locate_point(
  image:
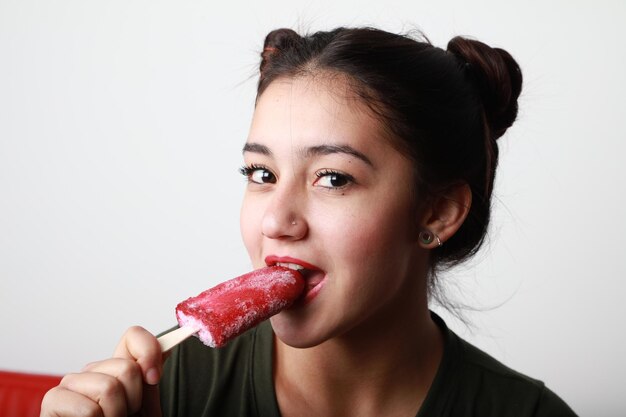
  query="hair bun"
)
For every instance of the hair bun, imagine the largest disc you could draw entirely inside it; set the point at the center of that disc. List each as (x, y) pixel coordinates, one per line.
(498, 78)
(276, 41)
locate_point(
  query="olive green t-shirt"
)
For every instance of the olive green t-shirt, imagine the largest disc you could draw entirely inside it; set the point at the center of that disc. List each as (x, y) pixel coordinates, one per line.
(236, 380)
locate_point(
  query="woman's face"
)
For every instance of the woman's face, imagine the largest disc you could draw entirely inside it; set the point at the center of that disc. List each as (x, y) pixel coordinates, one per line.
(327, 192)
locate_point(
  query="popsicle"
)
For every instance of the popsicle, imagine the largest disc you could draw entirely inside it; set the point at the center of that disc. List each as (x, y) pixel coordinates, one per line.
(223, 312)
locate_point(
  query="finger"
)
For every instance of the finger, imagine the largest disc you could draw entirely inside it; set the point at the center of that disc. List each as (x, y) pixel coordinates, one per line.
(61, 402)
(128, 373)
(103, 389)
(141, 345)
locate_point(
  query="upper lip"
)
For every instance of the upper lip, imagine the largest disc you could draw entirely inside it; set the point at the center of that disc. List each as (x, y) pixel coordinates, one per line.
(271, 260)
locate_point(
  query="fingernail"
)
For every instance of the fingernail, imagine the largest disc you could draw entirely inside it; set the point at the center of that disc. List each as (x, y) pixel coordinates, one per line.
(152, 376)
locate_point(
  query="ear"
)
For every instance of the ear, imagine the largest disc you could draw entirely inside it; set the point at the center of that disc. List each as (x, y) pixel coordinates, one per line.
(447, 212)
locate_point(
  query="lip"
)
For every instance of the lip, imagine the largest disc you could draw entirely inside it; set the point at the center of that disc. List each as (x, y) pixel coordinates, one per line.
(273, 260)
(311, 291)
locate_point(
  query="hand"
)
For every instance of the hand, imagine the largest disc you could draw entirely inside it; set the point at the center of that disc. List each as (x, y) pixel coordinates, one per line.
(117, 387)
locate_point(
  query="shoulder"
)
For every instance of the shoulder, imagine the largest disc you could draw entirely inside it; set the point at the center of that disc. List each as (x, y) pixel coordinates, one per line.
(478, 384)
(501, 386)
(226, 381)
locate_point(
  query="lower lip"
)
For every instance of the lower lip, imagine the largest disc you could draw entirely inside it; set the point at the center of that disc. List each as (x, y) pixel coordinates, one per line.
(312, 293)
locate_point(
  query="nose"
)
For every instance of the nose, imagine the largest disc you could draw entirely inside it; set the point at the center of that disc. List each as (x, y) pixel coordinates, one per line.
(284, 216)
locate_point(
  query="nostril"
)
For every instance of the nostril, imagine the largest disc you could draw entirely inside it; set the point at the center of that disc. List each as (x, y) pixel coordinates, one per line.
(283, 228)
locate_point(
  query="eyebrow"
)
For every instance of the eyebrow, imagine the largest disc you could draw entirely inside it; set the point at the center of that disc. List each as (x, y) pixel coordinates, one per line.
(256, 148)
(331, 149)
(312, 151)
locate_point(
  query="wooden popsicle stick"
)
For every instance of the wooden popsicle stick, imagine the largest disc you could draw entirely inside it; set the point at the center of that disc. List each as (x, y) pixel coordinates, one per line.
(171, 339)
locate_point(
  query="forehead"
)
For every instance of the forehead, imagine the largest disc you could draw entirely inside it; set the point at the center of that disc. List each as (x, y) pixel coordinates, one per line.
(314, 108)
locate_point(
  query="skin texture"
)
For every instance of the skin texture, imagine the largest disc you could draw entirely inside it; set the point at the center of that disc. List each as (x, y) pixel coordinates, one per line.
(372, 348)
(119, 386)
(325, 188)
(356, 234)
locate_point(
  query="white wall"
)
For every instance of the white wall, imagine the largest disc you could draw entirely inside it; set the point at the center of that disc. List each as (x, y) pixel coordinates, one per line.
(121, 124)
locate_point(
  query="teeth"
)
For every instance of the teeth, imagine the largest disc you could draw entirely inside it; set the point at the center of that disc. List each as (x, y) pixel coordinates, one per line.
(290, 265)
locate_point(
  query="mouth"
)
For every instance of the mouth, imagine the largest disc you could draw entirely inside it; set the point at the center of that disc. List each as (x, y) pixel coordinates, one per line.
(290, 265)
(314, 277)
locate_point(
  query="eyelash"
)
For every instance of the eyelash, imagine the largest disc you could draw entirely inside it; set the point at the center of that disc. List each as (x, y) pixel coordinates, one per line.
(326, 172)
(248, 170)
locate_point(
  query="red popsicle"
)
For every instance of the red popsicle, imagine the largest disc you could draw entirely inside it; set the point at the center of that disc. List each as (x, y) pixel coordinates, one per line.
(225, 311)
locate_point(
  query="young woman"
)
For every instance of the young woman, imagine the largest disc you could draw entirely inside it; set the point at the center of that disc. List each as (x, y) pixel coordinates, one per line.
(370, 162)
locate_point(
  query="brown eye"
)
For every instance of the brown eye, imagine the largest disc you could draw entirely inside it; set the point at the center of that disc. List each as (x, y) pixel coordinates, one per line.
(258, 174)
(333, 179)
(262, 176)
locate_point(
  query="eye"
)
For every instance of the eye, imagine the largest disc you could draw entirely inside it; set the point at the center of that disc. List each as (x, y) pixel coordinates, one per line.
(333, 179)
(258, 174)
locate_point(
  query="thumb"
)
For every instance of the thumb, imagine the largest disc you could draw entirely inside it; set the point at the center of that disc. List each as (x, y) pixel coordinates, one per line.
(142, 346)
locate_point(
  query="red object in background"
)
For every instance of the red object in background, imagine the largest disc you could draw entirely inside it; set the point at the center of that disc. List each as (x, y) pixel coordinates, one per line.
(21, 393)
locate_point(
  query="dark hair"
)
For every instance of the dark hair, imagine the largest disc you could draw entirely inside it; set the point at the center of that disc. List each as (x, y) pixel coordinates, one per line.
(445, 108)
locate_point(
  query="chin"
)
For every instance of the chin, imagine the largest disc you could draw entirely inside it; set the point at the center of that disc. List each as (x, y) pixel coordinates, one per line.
(298, 337)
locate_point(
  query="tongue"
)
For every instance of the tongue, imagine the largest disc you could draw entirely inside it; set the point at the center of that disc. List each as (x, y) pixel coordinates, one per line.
(311, 278)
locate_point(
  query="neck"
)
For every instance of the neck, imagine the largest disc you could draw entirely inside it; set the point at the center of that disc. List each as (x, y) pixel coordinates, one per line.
(384, 365)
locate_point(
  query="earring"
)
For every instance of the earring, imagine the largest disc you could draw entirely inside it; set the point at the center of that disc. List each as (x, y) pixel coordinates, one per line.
(427, 237)
(293, 223)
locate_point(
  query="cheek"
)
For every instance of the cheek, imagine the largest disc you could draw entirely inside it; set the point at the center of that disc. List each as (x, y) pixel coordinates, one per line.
(368, 232)
(372, 256)
(369, 241)
(249, 225)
